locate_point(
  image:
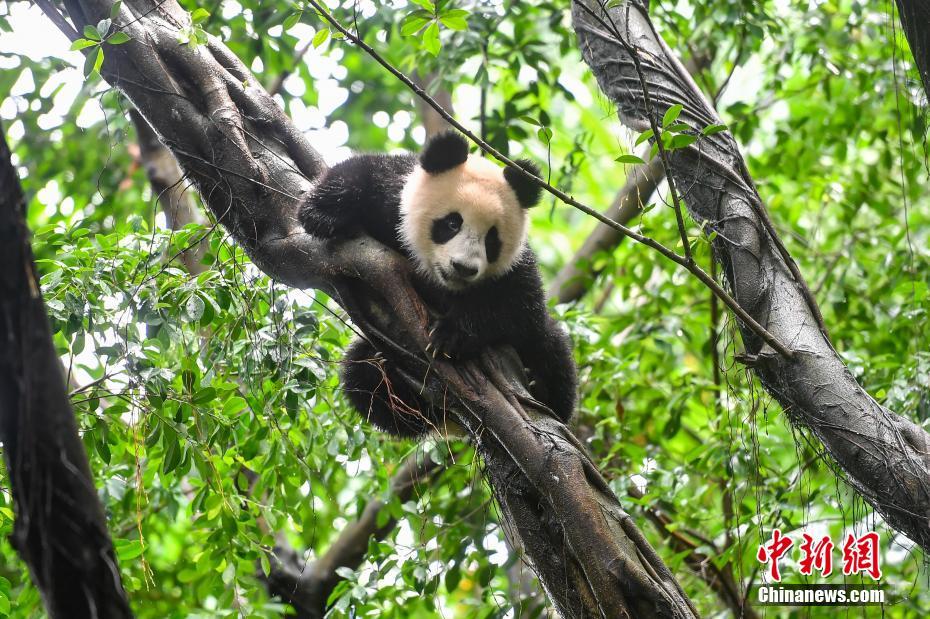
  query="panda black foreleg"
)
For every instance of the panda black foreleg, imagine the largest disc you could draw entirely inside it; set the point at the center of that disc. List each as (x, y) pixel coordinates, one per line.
(382, 396)
(552, 371)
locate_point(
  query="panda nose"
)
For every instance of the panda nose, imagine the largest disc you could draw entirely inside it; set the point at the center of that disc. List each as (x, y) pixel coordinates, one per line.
(464, 270)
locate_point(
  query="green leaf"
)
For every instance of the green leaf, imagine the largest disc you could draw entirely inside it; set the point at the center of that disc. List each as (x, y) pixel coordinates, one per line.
(291, 20)
(426, 4)
(118, 38)
(205, 396)
(83, 43)
(629, 159)
(456, 19)
(431, 39)
(544, 134)
(91, 33)
(99, 61)
(93, 61)
(682, 140)
(712, 129)
(114, 10)
(671, 114)
(413, 23)
(127, 549)
(531, 120)
(233, 406)
(320, 37)
(200, 15)
(103, 26)
(645, 135)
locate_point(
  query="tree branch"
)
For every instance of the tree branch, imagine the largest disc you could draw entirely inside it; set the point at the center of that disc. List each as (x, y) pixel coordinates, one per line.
(886, 457)
(59, 530)
(571, 282)
(642, 180)
(915, 18)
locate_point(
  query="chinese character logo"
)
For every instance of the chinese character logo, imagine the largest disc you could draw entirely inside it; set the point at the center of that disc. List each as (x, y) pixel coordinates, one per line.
(773, 551)
(817, 556)
(860, 555)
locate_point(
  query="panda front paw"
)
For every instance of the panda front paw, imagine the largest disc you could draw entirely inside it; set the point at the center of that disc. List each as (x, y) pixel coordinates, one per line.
(448, 339)
(318, 222)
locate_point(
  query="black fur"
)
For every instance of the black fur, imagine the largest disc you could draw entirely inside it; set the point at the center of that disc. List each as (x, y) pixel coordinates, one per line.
(445, 228)
(492, 245)
(362, 195)
(527, 191)
(444, 152)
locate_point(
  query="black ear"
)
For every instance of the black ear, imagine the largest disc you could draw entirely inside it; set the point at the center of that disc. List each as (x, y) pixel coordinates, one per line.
(444, 152)
(527, 191)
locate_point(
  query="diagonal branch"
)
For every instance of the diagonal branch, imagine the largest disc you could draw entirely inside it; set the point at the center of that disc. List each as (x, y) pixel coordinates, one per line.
(915, 19)
(569, 284)
(572, 280)
(886, 457)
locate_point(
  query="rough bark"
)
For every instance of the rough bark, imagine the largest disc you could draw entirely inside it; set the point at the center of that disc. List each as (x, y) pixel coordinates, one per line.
(59, 528)
(173, 193)
(251, 167)
(915, 18)
(886, 457)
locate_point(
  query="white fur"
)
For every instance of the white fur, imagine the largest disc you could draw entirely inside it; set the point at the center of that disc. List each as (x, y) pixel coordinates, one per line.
(478, 191)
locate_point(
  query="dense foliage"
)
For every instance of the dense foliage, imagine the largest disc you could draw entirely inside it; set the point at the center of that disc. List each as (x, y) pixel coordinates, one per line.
(184, 382)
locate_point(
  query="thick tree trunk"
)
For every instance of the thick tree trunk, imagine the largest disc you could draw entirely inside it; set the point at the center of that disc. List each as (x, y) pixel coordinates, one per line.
(59, 528)
(251, 166)
(915, 18)
(886, 458)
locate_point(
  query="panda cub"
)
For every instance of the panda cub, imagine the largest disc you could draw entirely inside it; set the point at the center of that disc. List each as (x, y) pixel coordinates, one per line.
(461, 220)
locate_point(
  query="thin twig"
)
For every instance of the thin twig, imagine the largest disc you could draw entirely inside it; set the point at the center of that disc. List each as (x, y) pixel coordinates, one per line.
(52, 12)
(653, 124)
(275, 86)
(689, 265)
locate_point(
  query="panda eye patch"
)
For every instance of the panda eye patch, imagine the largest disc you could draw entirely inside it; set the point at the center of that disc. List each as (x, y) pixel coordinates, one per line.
(445, 228)
(492, 244)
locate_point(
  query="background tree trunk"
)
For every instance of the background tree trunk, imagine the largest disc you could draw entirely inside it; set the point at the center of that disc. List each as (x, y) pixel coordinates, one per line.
(915, 18)
(59, 529)
(886, 458)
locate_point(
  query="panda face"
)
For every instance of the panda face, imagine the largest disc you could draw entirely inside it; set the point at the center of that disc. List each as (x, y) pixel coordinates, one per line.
(463, 225)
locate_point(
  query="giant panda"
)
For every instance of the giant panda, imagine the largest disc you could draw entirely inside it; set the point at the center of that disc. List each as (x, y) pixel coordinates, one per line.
(461, 220)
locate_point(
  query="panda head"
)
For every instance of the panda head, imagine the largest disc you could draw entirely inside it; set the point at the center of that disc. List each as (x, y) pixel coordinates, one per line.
(462, 218)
